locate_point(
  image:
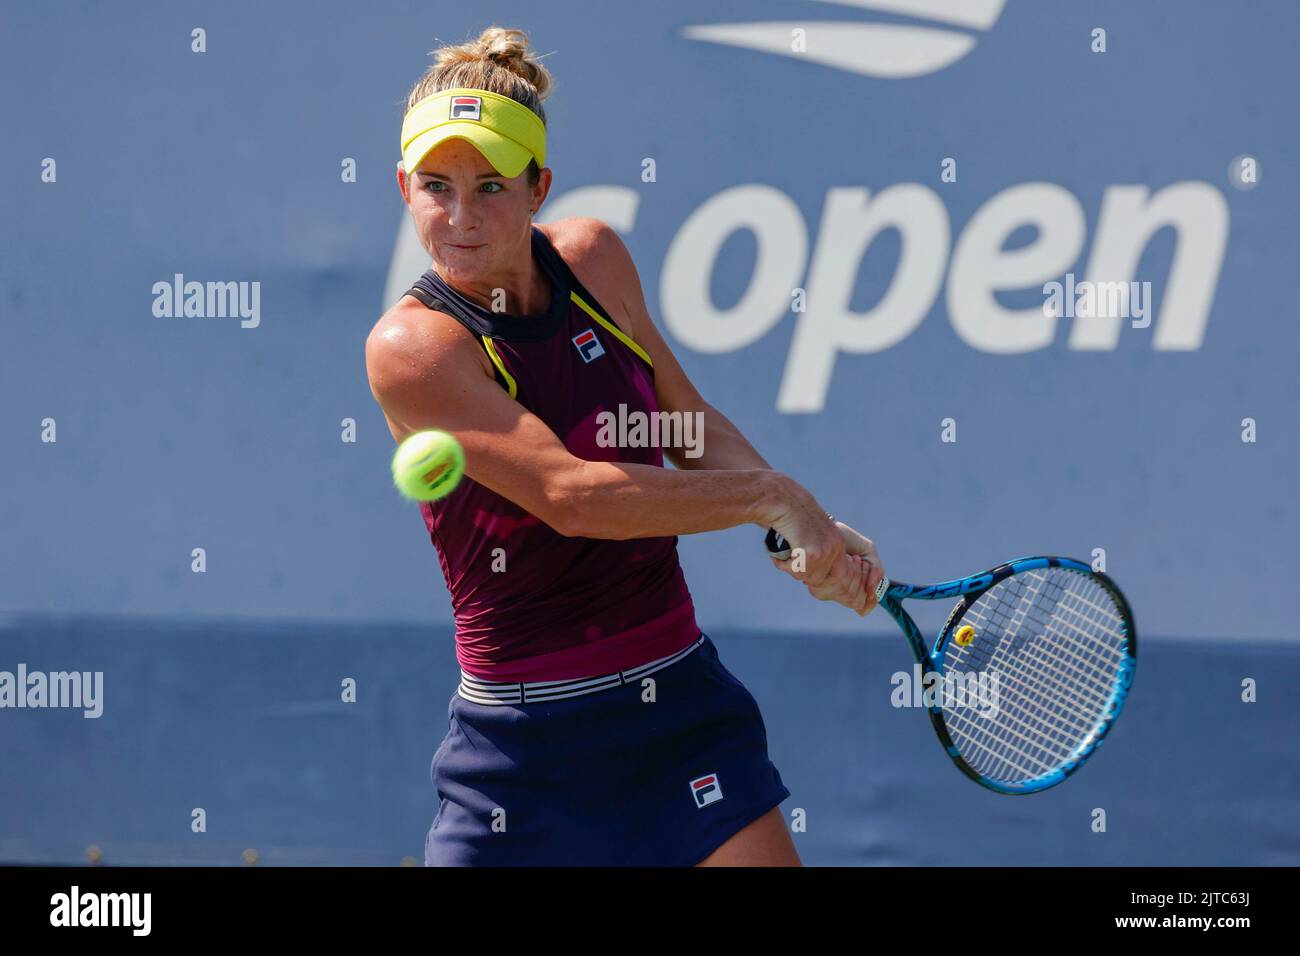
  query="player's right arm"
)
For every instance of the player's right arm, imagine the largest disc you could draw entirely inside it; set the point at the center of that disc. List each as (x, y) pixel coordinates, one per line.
(426, 371)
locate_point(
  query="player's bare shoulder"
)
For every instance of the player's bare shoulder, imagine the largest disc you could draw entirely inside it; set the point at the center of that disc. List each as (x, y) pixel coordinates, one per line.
(597, 256)
(412, 334)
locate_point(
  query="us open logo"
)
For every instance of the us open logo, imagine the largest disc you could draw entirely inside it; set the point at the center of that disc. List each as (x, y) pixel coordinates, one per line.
(588, 345)
(706, 790)
(467, 108)
(949, 30)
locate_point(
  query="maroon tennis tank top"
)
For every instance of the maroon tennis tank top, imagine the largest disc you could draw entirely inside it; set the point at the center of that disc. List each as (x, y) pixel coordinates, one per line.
(531, 604)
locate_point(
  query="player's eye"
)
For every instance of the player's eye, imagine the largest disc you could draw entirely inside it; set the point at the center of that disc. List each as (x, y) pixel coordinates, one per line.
(438, 182)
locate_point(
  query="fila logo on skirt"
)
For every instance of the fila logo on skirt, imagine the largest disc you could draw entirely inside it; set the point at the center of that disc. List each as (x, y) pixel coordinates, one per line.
(706, 790)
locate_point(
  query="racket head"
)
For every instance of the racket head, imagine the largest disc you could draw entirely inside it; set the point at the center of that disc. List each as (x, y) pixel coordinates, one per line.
(1056, 643)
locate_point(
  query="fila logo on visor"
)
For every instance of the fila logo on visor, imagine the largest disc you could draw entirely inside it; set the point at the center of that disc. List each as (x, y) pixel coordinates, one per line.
(467, 108)
(588, 346)
(706, 790)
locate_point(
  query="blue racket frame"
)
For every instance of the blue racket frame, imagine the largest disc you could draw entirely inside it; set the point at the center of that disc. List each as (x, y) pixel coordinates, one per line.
(891, 594)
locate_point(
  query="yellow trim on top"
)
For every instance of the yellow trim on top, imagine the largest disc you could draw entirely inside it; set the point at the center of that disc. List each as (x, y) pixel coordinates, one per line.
(501, 366)
(614, 329)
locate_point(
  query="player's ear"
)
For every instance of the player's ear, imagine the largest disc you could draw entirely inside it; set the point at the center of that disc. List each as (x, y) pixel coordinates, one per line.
(401, 180)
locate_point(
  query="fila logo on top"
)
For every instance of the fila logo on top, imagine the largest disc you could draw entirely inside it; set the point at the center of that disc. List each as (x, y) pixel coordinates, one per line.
(588, 345)
(467, 108)
(889, 51)
(706, 790)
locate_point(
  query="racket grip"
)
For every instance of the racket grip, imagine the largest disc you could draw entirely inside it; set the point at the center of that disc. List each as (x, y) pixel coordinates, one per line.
(777, 546)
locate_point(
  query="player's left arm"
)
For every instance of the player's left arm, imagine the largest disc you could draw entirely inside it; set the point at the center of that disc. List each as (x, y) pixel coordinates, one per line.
(720, 445)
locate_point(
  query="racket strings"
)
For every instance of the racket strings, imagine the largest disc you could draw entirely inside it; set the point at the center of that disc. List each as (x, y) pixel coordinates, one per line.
(1028, 676)
(1023, 738)
(1081, 693)
(1031, 674)
(1054, 640)
(1018, 726)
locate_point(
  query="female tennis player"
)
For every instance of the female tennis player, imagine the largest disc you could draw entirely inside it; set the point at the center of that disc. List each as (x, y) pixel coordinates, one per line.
(594, 723)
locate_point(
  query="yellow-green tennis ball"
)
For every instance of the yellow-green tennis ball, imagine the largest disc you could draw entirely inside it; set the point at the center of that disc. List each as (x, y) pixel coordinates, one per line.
(427, 465)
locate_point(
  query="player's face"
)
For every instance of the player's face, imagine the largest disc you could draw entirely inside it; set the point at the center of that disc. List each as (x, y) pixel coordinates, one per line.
(470, 218)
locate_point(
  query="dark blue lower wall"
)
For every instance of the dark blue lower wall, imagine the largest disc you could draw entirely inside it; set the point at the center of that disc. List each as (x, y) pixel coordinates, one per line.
(246, 722)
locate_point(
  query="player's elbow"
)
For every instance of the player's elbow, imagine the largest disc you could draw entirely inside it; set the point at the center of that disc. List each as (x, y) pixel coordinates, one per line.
(571, 504)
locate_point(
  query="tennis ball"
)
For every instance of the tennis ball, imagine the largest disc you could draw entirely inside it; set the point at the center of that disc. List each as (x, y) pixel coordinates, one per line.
(427, 465)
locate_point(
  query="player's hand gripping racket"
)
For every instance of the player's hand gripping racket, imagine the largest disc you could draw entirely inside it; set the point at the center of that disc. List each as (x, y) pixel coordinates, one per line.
(1054, 637)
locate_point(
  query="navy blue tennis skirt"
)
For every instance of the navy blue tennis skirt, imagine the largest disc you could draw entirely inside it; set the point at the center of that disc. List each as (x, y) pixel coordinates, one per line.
(619, 777)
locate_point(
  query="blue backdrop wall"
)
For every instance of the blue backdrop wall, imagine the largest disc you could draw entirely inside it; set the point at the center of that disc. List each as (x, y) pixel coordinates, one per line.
(919, 169)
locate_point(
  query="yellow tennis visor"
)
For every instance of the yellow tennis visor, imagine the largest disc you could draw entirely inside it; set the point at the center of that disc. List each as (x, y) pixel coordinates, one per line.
(506, 132)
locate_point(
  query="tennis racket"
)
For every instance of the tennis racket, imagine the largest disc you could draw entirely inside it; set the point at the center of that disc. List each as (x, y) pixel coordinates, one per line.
(1057, 641)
